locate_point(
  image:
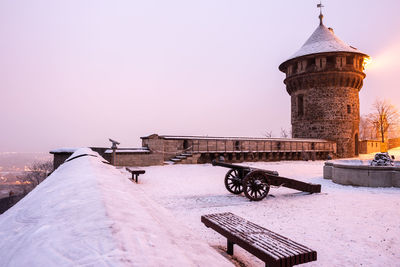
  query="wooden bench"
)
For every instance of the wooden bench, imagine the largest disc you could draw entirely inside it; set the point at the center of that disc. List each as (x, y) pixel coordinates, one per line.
(135, 173)
(272, 248)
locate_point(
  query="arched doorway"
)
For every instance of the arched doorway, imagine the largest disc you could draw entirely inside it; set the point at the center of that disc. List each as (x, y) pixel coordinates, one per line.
(356, 152)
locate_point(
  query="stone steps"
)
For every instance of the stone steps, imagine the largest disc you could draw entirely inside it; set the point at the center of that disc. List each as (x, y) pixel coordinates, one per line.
(178, 158)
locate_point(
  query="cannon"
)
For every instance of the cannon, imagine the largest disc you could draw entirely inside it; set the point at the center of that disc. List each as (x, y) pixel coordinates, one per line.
(255, 183)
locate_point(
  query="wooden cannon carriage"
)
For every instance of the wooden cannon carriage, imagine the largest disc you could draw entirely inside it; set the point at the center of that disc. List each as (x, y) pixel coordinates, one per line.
(255, 183)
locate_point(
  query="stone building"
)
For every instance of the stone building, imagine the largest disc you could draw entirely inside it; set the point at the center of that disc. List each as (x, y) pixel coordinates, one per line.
(370, 146)
(323, 79)
(169, 149)
(203, 149)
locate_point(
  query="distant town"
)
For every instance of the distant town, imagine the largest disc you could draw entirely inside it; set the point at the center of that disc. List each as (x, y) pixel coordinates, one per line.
(14, 166)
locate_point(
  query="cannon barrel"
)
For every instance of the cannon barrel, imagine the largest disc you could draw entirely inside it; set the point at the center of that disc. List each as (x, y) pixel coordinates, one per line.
(230, 166)
(240, 167)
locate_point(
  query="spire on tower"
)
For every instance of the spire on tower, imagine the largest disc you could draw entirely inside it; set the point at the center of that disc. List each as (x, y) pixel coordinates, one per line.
(320, 6)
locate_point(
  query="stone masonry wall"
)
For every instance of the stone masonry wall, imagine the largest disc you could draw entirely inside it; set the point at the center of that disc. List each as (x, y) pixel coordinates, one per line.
(329, 113)
(325, 98)
(139, 159)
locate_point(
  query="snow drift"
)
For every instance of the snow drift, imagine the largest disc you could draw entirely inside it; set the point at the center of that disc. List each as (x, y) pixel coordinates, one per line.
(88, 213)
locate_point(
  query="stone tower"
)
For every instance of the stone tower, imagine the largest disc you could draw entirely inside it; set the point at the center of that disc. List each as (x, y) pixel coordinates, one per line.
(323, 79)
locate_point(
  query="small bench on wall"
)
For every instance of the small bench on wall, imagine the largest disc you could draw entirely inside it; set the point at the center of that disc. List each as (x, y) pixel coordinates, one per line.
(135, 173)
(270, 247)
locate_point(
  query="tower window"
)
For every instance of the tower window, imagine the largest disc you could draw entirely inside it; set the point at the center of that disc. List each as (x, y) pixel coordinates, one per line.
(340, 61)
(348, 109)
(300, 105)
(320, 62)
(301, 65)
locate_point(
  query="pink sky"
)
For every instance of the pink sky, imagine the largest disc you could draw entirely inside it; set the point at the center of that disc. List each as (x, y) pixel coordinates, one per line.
(74, 73)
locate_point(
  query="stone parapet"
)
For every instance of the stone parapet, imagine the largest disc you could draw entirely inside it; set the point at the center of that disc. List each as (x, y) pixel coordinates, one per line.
(352, 173)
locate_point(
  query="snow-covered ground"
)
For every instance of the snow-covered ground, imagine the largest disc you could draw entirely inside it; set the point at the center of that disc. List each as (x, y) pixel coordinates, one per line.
(88, 213)
(346, 225)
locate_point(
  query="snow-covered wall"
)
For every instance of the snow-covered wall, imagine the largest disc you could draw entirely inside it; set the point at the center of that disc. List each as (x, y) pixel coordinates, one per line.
(88, 213)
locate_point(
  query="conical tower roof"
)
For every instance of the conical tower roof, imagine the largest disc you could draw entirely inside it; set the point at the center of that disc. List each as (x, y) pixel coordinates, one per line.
(323, 40)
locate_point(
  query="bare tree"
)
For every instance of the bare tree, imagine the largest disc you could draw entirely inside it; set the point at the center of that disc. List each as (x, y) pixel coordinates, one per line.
(268, 134)
(367, 130)
(38, 171)
(384, 117)
(394, 131)
(285, 133)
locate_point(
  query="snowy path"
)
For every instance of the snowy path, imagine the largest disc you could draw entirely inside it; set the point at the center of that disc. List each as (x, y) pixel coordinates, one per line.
(88, 214)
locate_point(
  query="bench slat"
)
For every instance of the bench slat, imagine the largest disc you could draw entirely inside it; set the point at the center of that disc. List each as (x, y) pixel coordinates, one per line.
(279, 250)
(271, 237)
(268, 246)
(251, 228)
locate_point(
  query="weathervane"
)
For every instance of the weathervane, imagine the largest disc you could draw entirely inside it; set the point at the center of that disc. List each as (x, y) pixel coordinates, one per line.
(320, 6)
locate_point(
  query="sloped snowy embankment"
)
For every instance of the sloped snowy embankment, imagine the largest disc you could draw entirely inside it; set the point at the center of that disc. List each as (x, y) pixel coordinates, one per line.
(87, 213)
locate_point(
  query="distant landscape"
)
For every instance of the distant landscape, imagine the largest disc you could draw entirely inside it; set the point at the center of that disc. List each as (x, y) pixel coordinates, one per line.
(13, 166)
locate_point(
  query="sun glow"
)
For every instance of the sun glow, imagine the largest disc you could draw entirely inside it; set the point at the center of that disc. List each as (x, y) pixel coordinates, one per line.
(387, 59)
(367, 61)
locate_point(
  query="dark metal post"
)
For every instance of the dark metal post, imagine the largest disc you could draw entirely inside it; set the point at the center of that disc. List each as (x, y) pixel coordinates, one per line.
(229, 248)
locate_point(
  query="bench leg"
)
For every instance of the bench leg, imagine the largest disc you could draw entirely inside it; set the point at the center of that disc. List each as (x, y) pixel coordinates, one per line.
(229, 248)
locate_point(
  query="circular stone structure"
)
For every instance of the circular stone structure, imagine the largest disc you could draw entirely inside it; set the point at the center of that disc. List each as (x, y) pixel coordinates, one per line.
(360, 173)
(323, 80)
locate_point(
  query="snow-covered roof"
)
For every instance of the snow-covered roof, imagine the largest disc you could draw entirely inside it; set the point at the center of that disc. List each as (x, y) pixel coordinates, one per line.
(129, 150)
(64, 150)
(323, 40)
(84, 151)
(232, 138)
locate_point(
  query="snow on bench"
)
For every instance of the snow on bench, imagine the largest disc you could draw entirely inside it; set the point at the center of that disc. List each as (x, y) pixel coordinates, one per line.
(270, 247)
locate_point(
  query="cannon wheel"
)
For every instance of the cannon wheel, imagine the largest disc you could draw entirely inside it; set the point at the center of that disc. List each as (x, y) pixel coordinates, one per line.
(233, 182)
(256, 185)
